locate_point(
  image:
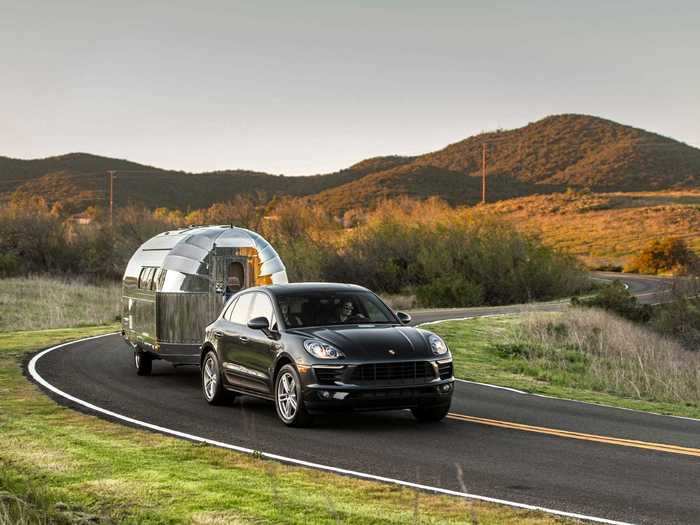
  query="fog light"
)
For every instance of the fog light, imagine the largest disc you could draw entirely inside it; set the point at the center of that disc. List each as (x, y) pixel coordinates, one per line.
(446, 387)
(324, 394)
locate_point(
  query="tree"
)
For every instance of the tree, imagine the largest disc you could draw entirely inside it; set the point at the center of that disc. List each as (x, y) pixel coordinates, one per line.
(666, 255)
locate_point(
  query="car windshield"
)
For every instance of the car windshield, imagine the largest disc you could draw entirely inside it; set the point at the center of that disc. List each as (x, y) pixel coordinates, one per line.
(301, 310)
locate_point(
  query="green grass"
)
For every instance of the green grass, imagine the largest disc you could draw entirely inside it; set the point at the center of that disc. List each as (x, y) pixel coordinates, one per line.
(480, 355)
(42, 302)
(65, 466)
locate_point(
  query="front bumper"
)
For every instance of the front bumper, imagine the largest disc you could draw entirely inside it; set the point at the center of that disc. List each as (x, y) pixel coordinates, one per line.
(322, 395)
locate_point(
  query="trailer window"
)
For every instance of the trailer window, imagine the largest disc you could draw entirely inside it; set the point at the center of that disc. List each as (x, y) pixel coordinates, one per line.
(174, 281)
(146, 277)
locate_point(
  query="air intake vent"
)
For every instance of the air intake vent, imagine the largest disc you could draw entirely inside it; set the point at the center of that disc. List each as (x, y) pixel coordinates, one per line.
(445, 370)
(393, 373)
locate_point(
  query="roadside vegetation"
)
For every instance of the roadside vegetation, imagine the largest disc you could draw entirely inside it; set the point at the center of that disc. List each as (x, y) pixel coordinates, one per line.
(605, 349)
(606, 230)
(441, 255)
(58, 465)
(667, 255)
(41, 302)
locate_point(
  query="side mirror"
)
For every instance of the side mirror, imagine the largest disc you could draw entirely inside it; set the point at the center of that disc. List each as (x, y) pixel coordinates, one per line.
(403, 317)
(259, 323)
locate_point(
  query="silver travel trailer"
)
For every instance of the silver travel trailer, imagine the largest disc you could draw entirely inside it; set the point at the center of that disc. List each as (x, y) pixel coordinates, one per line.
(177, 282)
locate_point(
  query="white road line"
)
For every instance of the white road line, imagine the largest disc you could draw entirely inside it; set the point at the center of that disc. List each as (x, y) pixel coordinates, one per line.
(497, 387)
(363, 475)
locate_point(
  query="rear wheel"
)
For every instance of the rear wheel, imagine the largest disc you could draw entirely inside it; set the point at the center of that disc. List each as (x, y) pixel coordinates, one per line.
(143, 363)
(431, 414)
(212, 386)
(289, 402)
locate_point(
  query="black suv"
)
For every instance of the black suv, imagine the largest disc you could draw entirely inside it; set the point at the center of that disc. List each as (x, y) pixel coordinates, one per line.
(322, 347)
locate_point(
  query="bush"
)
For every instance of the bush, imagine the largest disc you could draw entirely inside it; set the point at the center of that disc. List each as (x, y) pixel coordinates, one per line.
(449, 291)
(666, 255)
(9, 265)
(616, 298)
(680, 317)
(454, 260)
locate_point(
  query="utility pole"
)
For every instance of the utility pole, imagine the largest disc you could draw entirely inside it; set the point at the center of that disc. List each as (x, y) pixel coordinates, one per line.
(111, 174)
(483, 173)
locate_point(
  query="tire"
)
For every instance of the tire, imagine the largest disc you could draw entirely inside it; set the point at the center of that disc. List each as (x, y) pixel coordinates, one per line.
(289, 402)
(212, 385)
(143, 363)
(430, 414)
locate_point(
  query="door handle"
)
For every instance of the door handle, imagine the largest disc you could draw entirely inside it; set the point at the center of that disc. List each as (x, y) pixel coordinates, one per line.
(218, 334)
(243, 339)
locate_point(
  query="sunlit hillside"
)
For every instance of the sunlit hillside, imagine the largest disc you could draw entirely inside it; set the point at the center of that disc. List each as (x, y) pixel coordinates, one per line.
(606, 228)
(547, 156)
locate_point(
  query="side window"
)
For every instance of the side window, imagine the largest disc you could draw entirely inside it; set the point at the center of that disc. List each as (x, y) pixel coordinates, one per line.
(146, 277)
(262, 307)
(155, 278)
(229, 310)
(240, 311)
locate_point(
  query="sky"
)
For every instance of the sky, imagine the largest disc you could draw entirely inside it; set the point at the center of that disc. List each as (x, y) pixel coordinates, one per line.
(313, 87)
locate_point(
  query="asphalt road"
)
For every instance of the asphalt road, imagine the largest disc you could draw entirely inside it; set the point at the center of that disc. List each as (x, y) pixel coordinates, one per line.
(498, 443)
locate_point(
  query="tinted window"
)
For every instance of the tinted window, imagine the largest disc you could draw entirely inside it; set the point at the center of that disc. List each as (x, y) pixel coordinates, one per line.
(229, 310)
(262, 307)
(333, 308)
(240, 311)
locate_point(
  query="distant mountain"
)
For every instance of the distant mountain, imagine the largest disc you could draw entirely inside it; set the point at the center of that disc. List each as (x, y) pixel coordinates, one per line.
(543, 157)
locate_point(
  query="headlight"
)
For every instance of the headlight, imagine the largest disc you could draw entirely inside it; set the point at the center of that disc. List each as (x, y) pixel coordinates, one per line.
(437, 345)
(322, 350)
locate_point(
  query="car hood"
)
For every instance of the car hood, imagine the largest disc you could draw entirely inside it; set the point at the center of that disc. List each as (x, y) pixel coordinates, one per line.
(373, 343)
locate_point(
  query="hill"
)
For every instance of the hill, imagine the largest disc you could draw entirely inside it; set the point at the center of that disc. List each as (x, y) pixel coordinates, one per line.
(605, 228)
(546, 156)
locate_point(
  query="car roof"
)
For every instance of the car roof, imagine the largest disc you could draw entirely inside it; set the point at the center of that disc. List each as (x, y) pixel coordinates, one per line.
(293, 288)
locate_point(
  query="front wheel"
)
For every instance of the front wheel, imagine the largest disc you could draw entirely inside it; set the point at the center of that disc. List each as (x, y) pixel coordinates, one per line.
(289, 402)
(143, 363)
(431, 414)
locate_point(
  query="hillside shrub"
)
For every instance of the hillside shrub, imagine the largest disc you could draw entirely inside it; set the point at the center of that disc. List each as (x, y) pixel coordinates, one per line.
(9, 265)
(447, 291)
(665, 255)
(614, 297)
(680, 317)
(446, 257)
(458, 261)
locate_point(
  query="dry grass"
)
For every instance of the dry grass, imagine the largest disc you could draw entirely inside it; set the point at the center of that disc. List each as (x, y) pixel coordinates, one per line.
(37, 303)
(606, 228)
(594, 349)
(15, 511)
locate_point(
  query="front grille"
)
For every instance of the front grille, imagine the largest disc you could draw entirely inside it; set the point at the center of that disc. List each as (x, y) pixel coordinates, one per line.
(445, 370)
(328, 376)
(402, 372)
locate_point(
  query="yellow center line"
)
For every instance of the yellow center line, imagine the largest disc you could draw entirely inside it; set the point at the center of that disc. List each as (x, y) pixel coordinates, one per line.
(661, 447)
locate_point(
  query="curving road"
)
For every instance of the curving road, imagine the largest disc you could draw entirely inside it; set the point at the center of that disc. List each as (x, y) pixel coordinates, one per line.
(604, 463)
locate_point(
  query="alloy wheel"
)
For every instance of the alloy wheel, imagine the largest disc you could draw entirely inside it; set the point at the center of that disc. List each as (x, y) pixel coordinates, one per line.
(287, 396)
(210, 378)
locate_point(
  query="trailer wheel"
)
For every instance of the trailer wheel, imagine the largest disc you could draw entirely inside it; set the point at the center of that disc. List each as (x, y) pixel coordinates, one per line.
(143, 363)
